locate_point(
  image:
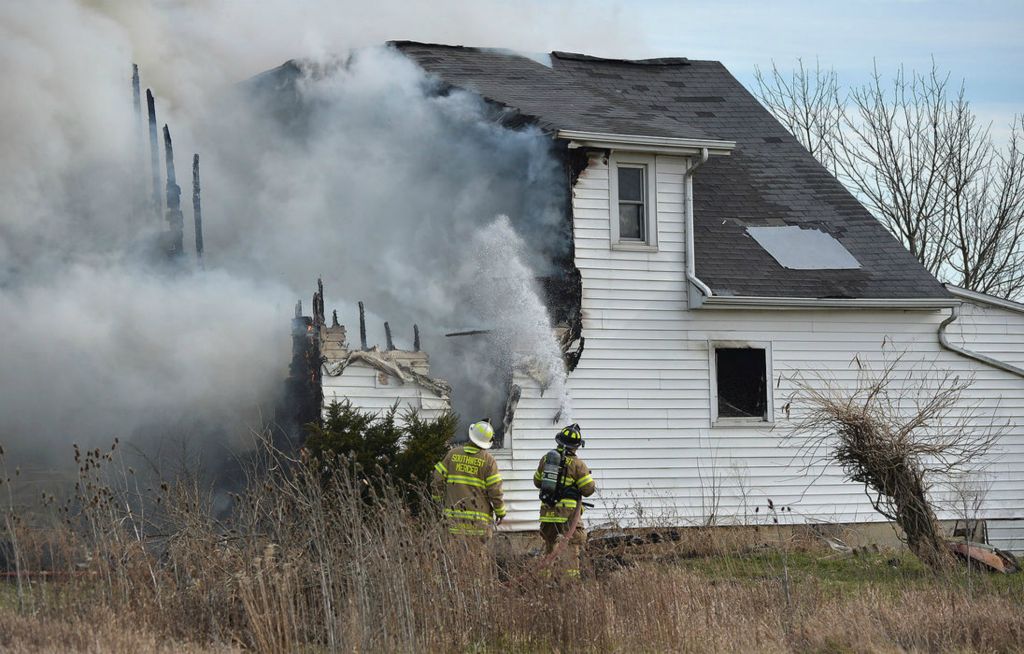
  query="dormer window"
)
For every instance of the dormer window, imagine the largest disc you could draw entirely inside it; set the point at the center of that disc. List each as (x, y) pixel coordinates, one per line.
(632, 203)
(633, 217)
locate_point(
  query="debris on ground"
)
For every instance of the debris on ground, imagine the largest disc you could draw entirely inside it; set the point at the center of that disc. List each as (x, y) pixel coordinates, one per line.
(985, 556)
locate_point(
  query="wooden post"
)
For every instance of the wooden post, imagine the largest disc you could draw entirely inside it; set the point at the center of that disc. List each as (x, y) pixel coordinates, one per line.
(154, 153)
(175, 221)
(362, 326)
(197, 210)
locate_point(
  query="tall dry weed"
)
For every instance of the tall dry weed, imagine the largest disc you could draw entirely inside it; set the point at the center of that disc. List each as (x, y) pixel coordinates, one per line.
(315, 558)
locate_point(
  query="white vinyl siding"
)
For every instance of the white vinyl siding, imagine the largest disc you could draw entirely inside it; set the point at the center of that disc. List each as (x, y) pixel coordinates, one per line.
(642, 390)
(1007, 535)
(374, 391)
(990, 330)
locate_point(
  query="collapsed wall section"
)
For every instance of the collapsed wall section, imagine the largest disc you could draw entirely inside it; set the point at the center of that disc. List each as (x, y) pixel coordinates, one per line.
(326, 369)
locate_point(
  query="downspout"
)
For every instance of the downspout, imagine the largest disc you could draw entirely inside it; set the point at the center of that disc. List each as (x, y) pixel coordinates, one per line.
(691, 265)
(987, 360)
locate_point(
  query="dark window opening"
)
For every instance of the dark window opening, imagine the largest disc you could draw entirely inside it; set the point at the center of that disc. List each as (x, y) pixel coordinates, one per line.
(742, 382)
(632, 204)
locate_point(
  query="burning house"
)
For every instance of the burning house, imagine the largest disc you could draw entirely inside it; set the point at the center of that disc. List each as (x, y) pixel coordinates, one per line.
(326, 368)
(714, 264)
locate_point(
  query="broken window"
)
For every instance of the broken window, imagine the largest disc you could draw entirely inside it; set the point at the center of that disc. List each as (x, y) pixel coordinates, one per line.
(632, 194)
(741, 382)
(632, 219)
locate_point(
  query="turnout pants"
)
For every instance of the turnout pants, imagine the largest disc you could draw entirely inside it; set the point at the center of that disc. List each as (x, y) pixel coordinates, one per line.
(571, 558)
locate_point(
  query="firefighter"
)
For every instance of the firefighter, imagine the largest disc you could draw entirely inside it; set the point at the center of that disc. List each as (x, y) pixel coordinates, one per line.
(468, 485)
(558, 504)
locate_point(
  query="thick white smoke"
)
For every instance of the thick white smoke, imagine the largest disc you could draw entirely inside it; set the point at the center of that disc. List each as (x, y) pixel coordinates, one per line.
(522, 324)
(378, 185)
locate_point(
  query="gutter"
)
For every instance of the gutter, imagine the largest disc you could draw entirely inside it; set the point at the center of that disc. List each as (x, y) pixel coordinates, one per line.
(639, 143)
(693, 299)
(984, 298)
(987, 360)
(752, 302)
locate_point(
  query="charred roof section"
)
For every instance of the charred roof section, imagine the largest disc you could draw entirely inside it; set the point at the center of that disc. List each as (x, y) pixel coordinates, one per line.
(769, 179)
(559, 97)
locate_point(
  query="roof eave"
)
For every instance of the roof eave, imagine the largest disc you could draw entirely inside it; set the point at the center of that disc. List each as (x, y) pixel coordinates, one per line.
(750, 302)
(641, 143)
(985, 298)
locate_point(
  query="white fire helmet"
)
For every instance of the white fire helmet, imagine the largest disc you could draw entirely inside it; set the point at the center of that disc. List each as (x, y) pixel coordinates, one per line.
(482, 434)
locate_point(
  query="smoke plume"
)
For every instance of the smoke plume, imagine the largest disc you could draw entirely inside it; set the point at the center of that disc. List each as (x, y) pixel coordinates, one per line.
(361, 173)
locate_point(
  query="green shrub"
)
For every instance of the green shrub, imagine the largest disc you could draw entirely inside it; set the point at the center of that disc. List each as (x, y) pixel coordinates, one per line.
(383, 446)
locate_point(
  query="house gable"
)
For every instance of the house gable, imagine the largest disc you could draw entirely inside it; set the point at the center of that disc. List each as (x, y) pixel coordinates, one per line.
(769, 179)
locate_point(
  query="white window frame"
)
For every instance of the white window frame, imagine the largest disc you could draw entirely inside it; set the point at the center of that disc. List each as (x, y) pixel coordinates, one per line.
(634, 160)
(769, 389)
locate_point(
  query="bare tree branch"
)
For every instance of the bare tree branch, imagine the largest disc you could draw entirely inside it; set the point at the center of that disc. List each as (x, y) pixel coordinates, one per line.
(898, 437)
(914, 153)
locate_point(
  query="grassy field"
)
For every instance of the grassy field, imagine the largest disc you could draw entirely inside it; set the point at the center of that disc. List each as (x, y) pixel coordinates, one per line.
(315, 558)
(664, 598)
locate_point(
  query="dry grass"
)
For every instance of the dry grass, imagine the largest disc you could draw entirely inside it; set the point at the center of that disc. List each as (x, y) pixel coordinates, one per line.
(315, 560)
(97, 633)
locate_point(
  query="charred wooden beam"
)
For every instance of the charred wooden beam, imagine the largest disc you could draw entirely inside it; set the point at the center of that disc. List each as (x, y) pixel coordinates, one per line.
(515, 393)
(470, 332)
(197, 210)
(136, 94)
(138, 139)
(415, 338)
(303, 396)
(175, 219)
(387, 336)
(334, 319)
(318, 304)
(362, 326)
(154, 152)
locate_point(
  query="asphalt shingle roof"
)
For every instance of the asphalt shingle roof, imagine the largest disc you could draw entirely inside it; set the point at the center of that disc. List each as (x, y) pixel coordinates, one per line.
(769, 179)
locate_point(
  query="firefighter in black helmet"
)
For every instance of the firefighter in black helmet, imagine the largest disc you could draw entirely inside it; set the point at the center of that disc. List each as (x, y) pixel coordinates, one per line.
(564, 479)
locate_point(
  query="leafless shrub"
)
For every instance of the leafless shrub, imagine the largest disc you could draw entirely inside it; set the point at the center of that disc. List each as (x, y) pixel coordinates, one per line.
(897, 437)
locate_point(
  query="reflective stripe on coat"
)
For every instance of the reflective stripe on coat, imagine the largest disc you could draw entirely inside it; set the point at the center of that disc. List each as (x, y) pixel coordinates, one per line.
(577, 475)
(467, 483)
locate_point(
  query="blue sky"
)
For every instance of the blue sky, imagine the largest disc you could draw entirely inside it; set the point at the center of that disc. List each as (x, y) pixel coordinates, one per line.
(981, 42)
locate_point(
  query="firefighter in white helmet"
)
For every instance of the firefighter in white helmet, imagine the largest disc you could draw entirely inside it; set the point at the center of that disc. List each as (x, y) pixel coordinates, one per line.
(467, 483)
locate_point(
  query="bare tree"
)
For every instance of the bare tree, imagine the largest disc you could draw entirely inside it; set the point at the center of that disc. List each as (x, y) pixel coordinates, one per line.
(897, 437)
(986, 203)
(913, 151)
(808, 103)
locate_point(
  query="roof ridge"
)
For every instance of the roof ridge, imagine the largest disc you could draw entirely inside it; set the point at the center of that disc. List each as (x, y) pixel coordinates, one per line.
(658, 61)
(557, 54)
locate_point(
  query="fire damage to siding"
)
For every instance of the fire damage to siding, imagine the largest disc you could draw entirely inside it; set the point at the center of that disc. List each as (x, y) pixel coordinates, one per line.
(326, 369)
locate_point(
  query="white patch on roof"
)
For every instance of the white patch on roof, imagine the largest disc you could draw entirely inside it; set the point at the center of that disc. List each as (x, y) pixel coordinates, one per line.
(803, 249)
